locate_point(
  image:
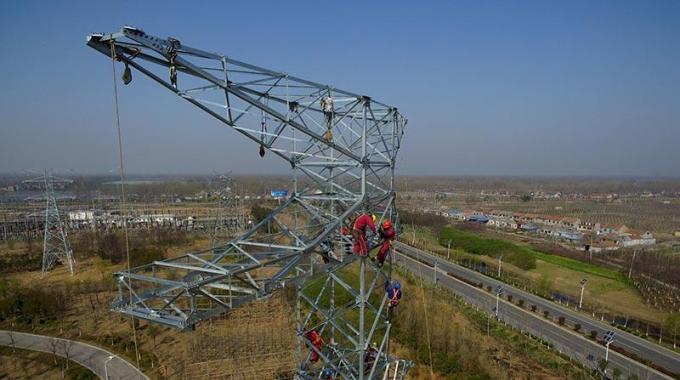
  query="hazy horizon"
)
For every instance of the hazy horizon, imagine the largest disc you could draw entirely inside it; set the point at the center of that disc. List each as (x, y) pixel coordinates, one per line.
(285, 174)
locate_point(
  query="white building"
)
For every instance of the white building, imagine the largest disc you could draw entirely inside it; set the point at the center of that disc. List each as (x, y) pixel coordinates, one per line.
(81, 216)
(634, 240)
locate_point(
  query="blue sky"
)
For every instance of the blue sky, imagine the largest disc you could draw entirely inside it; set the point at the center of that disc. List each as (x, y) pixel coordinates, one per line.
(489, 87)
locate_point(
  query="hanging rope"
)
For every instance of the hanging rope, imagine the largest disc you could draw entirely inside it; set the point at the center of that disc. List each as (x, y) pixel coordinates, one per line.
(427, 323)
(123, 207)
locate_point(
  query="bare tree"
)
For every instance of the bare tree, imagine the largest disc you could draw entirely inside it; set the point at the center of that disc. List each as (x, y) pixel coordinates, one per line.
(54, 344)
(673, 326)
(12, 342)
(67, 346)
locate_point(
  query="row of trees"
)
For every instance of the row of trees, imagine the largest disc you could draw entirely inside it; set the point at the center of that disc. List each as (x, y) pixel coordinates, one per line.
(30, 304)
(145, 245)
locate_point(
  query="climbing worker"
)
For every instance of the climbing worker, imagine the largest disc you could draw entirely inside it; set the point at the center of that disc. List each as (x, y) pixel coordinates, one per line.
(315, 339)
(347, 240)
(327, 374)
(326, 248)
(363, 222)
(369, 358)
(393, 291)
(387, 234)
(327, 108)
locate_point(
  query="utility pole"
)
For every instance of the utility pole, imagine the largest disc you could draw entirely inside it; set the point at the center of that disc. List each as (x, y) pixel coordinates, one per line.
(413, 227)
(582, 283)
(630, 271)
(499, 265)
(488, 324)
(448, 250)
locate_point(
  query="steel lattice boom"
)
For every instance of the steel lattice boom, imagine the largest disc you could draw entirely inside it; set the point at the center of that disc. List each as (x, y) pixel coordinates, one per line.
(342, 149)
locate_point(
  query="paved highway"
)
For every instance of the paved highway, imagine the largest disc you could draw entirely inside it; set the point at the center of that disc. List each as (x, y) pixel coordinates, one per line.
(91, 357)
(564, 339)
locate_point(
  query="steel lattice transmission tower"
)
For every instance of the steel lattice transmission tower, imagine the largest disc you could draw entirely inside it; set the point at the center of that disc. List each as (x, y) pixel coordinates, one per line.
(56, 247)
(341, 147)
(228, 206)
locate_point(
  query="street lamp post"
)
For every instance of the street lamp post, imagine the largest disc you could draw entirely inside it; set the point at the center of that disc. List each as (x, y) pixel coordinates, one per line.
(448, 250)
(435, 272)
(583, 287)
(106, 371)
(608, 339)
(499, 265)
(499, 292)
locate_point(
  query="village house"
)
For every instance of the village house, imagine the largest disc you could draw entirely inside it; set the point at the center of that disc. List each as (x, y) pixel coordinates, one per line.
(612, 229)
(589, 226)
(503, 222)
(455, 214)
(478, 218)
(632, 240)
(570, 236)
(571, 223)
(528, 227)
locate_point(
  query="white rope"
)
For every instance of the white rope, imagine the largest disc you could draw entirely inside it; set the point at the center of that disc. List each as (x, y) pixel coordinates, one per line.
(123, 208)
(427, 323)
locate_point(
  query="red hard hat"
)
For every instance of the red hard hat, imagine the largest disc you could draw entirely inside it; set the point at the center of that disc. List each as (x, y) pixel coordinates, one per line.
(387, 224)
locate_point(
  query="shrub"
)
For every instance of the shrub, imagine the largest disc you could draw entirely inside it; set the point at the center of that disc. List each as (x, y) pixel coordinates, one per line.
(145, 255)
(110, 246)
(434, 222)
(478, 245)
(577, 327)
(29, 303)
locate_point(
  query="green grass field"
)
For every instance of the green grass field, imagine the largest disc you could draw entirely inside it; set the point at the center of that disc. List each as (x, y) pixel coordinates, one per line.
(522, 257)
(579, 266)
(607, 290)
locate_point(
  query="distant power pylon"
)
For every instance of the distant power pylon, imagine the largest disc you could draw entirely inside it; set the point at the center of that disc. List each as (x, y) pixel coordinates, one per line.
(56, 246)
(229, 213)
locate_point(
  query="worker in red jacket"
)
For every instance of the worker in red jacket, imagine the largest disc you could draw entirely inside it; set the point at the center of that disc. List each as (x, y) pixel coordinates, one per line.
(387, 234)
(363, 222)
(315, 339)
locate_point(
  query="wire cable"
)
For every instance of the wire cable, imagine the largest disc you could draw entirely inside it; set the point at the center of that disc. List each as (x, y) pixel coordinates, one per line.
(427, 322)
(123, 206)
